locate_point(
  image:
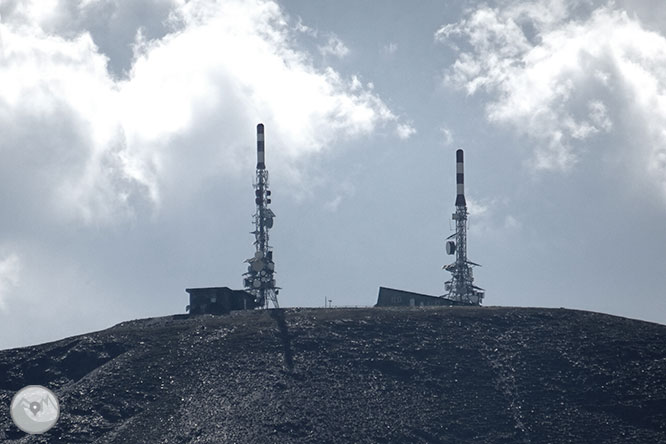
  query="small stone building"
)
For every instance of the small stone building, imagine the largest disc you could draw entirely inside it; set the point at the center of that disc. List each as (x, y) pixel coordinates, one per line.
(390, 297)
(218, 300)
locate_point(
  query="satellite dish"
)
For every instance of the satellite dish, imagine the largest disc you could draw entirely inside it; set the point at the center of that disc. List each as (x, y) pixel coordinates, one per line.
(258, 254)
(258, 265)
(270, 266)
(269, 222)
(256, 284)
(450, 247)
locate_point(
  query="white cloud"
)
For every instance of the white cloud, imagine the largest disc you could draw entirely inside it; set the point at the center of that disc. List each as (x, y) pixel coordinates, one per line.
(108, 147)
(113, 24)
(405, 131)
(551, 74)
(447, 135)
(29, 12)
(477, 208)
(511, 223)
(343, 190)
(10, 269)
(303, 28)
(335, 47)
(390, 48)
(490, 217)
(333, 204)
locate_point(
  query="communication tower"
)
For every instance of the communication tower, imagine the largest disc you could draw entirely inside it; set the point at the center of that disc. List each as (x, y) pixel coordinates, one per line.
(259, 279)
(461, 287)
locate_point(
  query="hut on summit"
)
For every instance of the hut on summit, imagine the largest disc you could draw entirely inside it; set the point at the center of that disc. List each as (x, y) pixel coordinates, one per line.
(218, 300)
(390, 297)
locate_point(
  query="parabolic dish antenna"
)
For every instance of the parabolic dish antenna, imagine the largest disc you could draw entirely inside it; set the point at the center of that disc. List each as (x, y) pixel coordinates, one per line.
(258, 265)
(450, 247)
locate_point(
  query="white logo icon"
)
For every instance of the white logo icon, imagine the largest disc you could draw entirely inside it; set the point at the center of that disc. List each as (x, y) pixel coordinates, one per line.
(34, 409)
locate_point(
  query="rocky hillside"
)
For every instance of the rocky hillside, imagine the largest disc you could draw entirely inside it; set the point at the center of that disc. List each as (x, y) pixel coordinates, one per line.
(434, 375)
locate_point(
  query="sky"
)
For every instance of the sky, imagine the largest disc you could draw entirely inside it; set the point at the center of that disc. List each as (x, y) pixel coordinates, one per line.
(127, 153)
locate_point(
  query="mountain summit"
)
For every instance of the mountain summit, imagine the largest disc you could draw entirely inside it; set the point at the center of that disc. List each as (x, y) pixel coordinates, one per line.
(370, 375)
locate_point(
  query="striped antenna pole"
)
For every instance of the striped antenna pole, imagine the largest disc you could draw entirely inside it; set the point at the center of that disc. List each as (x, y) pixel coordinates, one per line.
(261, 164)
(460, 179)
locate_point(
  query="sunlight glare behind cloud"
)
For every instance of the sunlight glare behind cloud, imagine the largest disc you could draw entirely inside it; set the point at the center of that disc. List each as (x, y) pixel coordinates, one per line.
(223, 67)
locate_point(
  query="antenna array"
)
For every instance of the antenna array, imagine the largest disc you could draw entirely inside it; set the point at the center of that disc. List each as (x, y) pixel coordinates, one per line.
(259, 279)
(461, 287)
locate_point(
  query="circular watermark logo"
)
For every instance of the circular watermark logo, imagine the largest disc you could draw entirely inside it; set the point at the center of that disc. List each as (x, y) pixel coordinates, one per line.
(34, 409)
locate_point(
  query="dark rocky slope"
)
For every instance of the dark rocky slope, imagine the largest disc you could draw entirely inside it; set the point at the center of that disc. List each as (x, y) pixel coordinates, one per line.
(438, 375)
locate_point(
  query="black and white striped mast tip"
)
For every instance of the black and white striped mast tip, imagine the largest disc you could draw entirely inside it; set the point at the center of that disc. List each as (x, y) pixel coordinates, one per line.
(261, 164)
(460, 179)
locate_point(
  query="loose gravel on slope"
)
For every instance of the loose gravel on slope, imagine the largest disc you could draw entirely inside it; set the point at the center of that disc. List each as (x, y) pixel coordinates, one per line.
(374, 375)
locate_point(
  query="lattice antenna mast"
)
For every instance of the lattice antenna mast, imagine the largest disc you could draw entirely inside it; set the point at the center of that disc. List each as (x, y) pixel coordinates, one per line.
(461, 287)
(259, 279)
